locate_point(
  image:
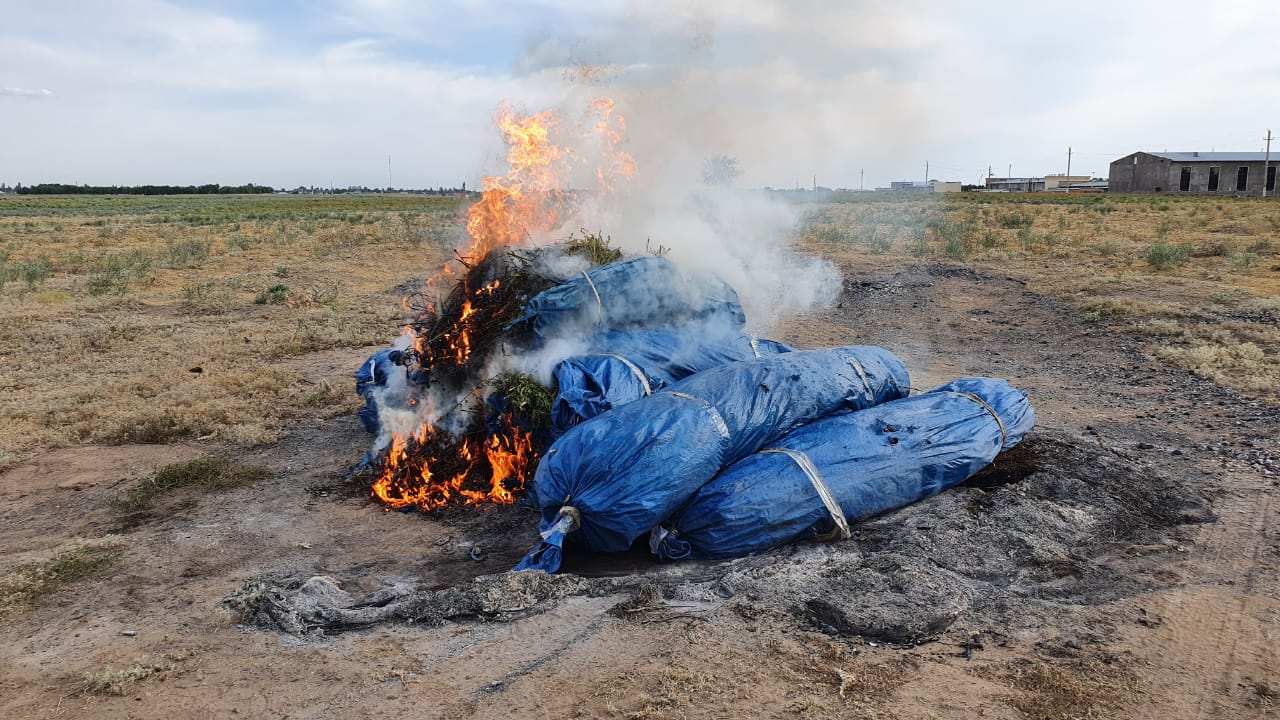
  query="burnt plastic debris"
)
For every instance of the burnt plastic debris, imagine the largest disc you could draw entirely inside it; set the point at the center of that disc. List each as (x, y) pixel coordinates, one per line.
(865, 463)
(610, 480)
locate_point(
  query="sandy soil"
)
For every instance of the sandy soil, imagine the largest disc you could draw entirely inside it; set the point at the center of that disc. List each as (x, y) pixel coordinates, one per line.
(1177, 616)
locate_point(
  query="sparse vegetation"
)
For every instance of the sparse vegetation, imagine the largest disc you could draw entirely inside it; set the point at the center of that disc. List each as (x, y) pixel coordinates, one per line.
(1163, 256)
(118, 682)
(201, 475)
(273, 295)
(31, 583)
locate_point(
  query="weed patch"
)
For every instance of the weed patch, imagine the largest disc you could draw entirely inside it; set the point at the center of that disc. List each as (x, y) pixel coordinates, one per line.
(33, 582)
(202, 475)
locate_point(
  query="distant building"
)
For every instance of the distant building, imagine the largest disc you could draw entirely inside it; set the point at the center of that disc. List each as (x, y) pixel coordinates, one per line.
(933, 186)
(1194, 173)
(1035, 184)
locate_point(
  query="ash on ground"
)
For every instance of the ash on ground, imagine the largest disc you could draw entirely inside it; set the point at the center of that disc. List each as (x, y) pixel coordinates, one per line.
(1056, 525)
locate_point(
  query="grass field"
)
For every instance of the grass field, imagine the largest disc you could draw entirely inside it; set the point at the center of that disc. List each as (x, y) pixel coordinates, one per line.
(152, 319)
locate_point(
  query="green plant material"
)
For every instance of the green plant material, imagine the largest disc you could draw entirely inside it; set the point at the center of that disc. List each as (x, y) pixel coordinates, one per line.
(1261, 246)
(273, 295)
(204, 474)
(188, 253)
(659, 251)
(33, 582)
(34, 272)
(1163, 256)
(1229, 299)
(239, 243)
(206, 297)
(282, 271)
(595, 248)
(112, 272)
(118, 682)
(1015, 219)
(1242, 261)
(1105, 248)
(529, 399)
(1026, 238)
(1162, 230)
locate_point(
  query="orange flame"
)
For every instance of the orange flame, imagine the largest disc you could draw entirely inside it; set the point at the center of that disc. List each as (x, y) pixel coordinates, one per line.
(514, 208)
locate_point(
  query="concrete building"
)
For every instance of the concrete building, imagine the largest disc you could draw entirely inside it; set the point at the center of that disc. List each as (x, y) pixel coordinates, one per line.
(933, 186)
(1035, 184)
(1193, 173)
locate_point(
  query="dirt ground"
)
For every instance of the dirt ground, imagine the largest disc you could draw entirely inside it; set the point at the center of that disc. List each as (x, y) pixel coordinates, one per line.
(1123, 565)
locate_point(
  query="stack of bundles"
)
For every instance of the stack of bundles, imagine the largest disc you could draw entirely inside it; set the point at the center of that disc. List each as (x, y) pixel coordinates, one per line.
(642, 292)
(618, 305)
(817, 479)
(627, 365)
(611, 479)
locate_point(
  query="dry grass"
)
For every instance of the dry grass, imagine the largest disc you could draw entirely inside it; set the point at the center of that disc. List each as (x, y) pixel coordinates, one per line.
(32, 583)
(1133, 263)
(109, 303)
(1064, 690)
(118, 682)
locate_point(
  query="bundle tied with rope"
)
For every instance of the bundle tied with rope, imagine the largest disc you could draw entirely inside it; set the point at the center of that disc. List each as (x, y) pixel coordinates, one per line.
(818, 479)
(626, 470)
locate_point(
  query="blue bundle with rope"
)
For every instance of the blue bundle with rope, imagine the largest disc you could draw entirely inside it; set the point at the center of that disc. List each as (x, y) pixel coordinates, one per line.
(815, 481)
(610, 480)
(627, 365)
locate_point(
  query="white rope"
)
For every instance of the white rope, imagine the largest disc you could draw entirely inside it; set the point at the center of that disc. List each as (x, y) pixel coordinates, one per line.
(1004, 437)
(635, 371)
(871, 394)
(806, 465)
(599, 303)
(721, 427)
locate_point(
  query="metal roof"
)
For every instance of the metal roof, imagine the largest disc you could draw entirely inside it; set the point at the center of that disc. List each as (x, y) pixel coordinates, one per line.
(1187, 157)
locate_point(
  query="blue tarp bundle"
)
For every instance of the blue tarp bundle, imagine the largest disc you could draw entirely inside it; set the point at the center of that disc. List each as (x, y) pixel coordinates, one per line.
(373, 375)
(628, 365)
(611, 479)
(870, 461)
(639, 292)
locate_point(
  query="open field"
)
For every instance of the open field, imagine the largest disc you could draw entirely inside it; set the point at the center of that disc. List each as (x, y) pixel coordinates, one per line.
(176, 418)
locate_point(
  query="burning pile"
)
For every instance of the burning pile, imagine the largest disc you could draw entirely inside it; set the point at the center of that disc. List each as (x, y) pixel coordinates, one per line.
(439, 442)
(664, 419)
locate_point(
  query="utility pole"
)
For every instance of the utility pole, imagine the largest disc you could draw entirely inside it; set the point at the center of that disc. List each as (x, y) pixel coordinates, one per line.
(861, 174)
(1266, 163)
(1068, 161)
(815, 182)
(389, 186)
(1009, 173)
(926, 172)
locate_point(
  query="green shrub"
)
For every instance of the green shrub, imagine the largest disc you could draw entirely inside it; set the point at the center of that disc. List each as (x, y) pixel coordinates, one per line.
(1163, 256)
(273, 295)
(188, 253)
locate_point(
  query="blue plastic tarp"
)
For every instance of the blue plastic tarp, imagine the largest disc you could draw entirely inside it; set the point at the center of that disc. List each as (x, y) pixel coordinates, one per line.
(871, 461)
(628, 365)
(371, 376)
(639, 292)
(611, 479)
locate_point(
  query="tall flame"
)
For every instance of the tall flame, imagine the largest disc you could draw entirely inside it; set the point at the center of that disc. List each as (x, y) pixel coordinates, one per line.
(528, 201)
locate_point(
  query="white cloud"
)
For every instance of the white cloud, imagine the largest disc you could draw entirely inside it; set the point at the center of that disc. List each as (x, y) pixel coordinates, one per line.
(25, 93)
(152, 91)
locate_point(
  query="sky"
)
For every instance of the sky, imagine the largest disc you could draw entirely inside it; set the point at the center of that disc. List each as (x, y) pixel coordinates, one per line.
(322, 92)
